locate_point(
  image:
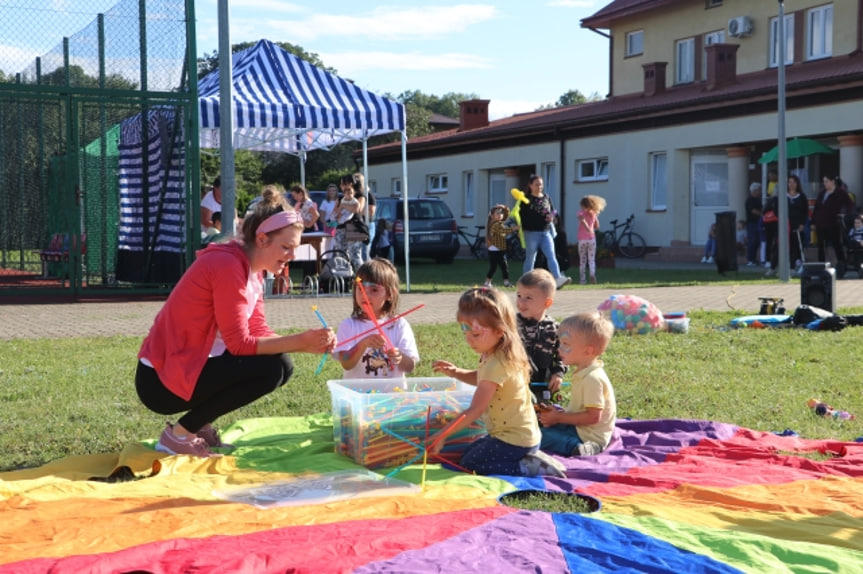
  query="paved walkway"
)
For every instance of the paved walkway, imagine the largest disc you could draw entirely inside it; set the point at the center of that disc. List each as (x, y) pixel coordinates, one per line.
(135, 317)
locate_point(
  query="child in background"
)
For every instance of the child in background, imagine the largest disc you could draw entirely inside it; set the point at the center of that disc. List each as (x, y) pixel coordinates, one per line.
(538, 332)
(347, 209)
(376, 356)
(384, 241)
(502, 397)
(710, 245)
(585, 428)
(588, 223)
(495, 237)
(741, 237)
(214, 229)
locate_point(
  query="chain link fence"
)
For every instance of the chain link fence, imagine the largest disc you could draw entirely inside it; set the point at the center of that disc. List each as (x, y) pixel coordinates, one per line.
(70, 185)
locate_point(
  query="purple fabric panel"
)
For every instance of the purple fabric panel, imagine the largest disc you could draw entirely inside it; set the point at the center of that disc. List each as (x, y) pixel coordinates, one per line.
(637, 443)
(519, 542)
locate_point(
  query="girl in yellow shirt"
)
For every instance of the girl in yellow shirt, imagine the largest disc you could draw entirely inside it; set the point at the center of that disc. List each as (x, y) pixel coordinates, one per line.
(502, 396)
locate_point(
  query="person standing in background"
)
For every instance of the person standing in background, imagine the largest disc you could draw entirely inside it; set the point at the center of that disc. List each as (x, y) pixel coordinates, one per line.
(831, 204)
(753, 215)
(210, 204)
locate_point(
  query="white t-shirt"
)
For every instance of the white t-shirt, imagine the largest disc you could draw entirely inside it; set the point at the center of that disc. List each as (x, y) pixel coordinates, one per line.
(326, 209)
(374, 363)
(210, 203)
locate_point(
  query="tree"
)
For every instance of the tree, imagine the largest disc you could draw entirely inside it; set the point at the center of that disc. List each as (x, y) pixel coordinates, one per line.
(446, 105)
(571, 98)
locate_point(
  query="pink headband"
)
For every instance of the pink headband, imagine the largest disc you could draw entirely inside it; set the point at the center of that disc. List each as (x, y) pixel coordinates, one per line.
(278, 221)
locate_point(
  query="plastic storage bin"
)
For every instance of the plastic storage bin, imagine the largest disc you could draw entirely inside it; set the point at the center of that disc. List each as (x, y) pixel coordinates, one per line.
(382, 422)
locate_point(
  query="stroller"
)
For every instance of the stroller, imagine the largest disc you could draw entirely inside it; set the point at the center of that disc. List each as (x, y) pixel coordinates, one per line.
(854, 248)
(337, 273)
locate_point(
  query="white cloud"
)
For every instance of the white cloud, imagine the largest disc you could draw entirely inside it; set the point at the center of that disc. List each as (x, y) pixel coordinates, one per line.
(385, 23)
(16, 59)
(571, 3)
(352, 62)
(498, 109)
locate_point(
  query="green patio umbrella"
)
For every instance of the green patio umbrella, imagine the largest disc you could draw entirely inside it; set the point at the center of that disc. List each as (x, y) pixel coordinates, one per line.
(797, 147)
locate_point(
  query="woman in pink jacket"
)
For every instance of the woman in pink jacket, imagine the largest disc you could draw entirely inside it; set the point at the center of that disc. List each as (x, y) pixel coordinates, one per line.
(210, 351)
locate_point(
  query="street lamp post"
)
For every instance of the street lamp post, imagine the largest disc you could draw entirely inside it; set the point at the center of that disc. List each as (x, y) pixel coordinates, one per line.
(782, 172)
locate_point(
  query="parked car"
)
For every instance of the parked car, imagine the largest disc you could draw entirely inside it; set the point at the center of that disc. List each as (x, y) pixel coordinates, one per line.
(432, 228)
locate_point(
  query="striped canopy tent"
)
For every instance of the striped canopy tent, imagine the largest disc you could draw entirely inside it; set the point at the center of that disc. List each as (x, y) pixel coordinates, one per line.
(285, 104)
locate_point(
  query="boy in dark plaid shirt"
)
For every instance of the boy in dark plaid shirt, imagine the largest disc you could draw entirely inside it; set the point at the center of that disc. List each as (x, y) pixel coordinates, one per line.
(539, 332)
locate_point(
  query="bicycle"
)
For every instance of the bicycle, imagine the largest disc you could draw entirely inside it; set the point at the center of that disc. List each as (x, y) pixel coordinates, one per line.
(627, 243)
(476, 241)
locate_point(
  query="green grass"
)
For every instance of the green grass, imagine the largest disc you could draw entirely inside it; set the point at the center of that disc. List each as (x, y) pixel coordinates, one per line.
(77, 396)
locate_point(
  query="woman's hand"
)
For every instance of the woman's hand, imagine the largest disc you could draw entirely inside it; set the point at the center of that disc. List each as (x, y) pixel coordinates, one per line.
(319, 341)
(444, 367)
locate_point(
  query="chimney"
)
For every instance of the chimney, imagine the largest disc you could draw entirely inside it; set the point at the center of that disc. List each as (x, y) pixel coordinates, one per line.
(472, 114)
(654, 78)
(721, 65)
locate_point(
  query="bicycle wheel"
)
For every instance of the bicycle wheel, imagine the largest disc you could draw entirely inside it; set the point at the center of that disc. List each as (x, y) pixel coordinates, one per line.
(631, 245)
(478, 248)
(607, 242)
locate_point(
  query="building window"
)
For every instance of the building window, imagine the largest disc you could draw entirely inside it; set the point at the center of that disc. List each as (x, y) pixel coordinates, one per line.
(592, 169)
(819, 31)
(467, 205)
(717, 37)
(775, 47)
(396, 186)
(437, 183)
(685, 64)
(658, 181)
(635, 43)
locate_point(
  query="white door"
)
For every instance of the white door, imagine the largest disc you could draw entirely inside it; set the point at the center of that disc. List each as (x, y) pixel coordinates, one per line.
(709, 182)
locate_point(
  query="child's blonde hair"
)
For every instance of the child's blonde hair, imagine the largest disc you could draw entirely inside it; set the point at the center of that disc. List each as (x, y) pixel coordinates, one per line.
(593, 203)
(541, 279)
(491, 308)
(384, 273)
(595, 327)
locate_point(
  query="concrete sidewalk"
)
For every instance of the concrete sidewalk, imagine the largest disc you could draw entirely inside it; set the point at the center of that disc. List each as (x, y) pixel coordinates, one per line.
(135, 317)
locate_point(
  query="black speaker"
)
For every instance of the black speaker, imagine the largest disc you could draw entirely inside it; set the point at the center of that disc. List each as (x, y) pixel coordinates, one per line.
(726, 241)
(818, 286)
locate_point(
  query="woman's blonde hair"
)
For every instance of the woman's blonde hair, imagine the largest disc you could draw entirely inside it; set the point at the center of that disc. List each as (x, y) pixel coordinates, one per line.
(593, 203)
(384, 273)
(272, 201)
(491, 308)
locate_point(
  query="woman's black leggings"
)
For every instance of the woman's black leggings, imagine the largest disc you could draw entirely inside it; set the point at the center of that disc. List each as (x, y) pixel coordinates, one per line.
(497, 259)
(226, 384)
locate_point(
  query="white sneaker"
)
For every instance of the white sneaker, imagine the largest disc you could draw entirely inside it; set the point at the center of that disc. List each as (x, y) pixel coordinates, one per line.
(704, 259)
(710, 259)
(487, 284)
(767, 265)
(562, 280)
(750, 264)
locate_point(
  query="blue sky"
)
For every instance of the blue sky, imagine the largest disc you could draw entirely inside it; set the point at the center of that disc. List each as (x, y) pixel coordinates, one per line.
(518, 54)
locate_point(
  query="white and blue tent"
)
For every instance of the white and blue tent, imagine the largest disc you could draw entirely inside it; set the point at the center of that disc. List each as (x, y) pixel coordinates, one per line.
(285, 104)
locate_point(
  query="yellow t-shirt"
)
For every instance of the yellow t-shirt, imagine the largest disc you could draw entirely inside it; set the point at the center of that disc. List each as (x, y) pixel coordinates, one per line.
(510, 416)
(591, 388)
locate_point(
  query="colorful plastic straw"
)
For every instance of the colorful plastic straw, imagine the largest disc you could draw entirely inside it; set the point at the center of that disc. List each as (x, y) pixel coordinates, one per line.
(383, 324)
(324, 323)
(426, 450)
(370, 313)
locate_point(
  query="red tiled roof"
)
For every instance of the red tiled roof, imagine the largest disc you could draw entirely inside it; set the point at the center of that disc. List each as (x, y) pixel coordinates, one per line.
(620, 9)
(823, 77)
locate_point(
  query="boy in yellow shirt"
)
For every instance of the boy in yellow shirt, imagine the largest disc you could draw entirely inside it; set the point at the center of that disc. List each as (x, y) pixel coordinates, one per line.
(586, 426)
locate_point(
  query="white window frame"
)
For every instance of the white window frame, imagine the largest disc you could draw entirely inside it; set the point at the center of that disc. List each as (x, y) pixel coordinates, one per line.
(774, 41)
(437, 183)
(684, 61)
(396, 187)
(717, 37)
(819, 32)
(594, 169)
(658, 181)
(634, 43)
(469, 183)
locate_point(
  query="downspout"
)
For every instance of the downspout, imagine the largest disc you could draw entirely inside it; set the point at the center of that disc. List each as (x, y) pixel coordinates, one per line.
(611, 57)
(859, 27)
(562, 178)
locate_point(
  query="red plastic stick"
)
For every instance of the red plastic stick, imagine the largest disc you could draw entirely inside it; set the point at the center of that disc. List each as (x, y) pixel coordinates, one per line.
(383, 324)
(367, 307)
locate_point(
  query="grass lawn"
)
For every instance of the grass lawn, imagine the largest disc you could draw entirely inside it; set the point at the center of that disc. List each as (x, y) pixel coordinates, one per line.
(76, 395)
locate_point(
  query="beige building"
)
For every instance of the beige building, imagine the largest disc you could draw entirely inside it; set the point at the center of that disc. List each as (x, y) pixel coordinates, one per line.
(692, 106)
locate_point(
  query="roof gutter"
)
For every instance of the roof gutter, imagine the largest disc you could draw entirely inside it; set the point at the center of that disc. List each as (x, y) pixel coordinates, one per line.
(610, 57)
